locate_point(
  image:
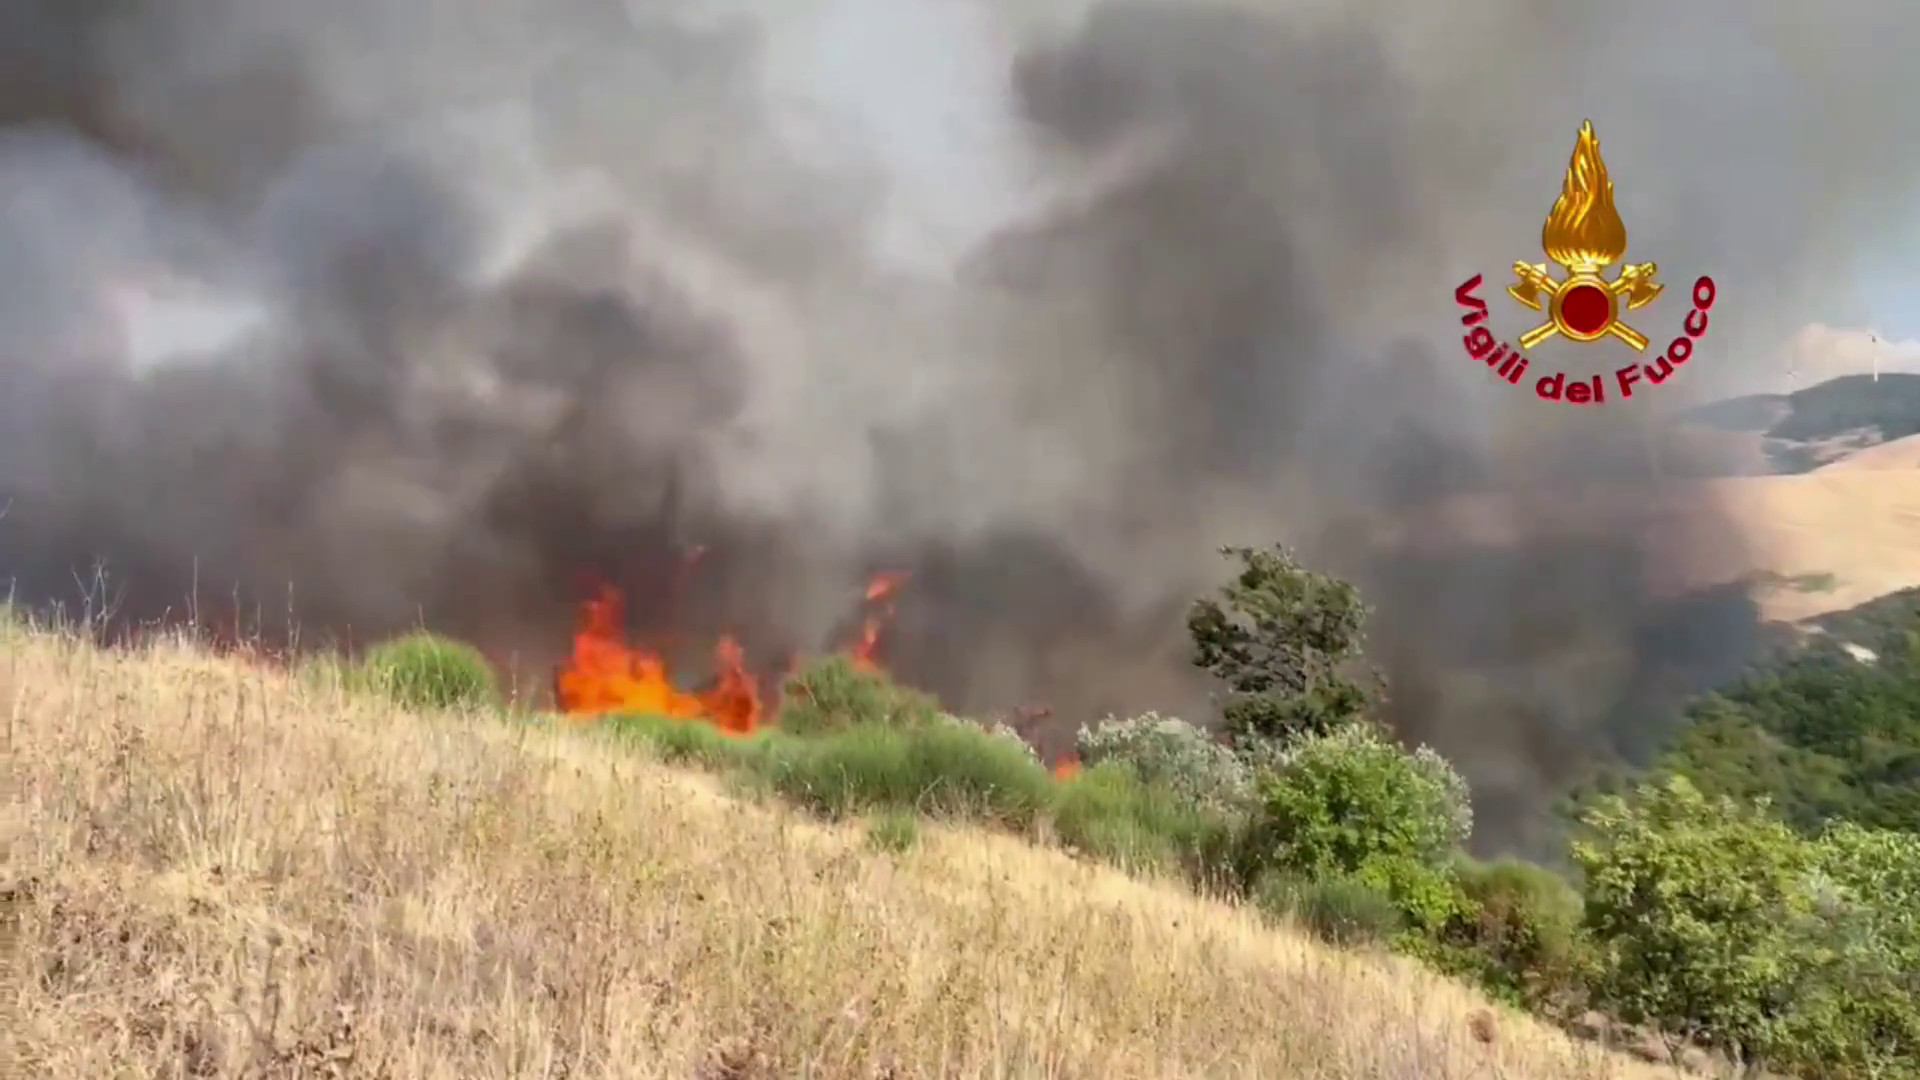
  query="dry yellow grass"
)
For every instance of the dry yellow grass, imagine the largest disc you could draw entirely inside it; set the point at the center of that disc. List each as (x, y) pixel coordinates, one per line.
(218, 871)
(1859, 525)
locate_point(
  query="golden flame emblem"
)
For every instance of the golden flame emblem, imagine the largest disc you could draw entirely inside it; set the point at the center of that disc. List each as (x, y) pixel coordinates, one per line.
(1584, 231)
(1584, 234)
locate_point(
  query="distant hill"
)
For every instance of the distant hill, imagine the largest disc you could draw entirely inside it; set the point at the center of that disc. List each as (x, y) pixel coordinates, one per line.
(1755, 412)
(1809, 428)
(1825, 724)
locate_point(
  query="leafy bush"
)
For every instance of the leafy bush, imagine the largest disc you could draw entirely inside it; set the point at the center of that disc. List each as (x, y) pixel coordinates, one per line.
(426, 671)
(1351, 804)
(1881, 866)
(996, 729)
(1342, 910)
(1338, 800)
(834, 693)
(937, 769)
(1108, 811)
(1284, 639)
(1715, 920)
(1858, 1009)
(1702, 913)
(1519, 935)
(1172, 754)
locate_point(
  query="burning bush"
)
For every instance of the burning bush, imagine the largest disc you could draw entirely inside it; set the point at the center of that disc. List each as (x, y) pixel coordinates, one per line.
(426, 671)
(606, 675)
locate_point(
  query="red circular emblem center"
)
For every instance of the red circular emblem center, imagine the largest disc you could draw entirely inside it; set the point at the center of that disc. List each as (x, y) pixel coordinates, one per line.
(1584, 309)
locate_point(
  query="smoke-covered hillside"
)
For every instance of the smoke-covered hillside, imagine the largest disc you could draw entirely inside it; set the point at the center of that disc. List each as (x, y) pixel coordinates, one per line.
(351, 311)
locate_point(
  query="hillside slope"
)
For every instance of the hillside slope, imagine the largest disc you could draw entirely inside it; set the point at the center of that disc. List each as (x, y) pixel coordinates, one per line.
(1831, 539)
(217, 868)
(1821, 424)
(1902, 453)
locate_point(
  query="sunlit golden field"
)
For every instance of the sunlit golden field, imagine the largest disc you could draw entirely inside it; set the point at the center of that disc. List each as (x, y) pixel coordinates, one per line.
(215, 870)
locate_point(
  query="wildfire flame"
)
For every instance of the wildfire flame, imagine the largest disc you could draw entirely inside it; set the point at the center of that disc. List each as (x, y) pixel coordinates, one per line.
(1584, 231)
(606, 674)
(880, 591)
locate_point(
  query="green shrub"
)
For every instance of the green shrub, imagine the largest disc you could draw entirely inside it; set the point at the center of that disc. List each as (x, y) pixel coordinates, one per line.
(1107, 811)
(1519, 933)
(997, 729)
(834, 693)
(1714, 919)
(937, 769)
(893, 831)
(1702, 914)
(1342, 910)
(1337, 801)
(1880, 869)
(692, 742)
(1351, 804)
(1427, 895)
(1174, 755)
(426, 671)
(1858, 1011)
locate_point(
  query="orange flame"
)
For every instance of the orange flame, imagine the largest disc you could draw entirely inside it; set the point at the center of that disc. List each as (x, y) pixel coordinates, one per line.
(605, 674)
(1066, 768)
(885, 584)
(880, 590)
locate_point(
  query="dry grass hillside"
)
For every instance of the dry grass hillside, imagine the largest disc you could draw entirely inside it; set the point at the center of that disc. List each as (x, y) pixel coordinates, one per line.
(215, 870)
(1846, 534)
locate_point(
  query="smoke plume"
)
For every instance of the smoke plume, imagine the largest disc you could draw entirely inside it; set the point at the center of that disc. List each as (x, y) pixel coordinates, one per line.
(352, 312)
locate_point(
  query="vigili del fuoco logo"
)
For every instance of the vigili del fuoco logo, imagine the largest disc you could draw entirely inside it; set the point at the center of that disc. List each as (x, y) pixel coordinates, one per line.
(1584, 236)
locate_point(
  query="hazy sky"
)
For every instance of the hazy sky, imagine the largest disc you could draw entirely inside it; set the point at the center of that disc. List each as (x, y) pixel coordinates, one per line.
(956, 165)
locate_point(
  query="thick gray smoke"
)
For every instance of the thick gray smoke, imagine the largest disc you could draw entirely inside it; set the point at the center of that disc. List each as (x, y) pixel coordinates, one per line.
(352, 311)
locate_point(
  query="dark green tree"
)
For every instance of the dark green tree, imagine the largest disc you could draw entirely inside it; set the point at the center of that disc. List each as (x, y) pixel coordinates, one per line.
(1287, 643)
